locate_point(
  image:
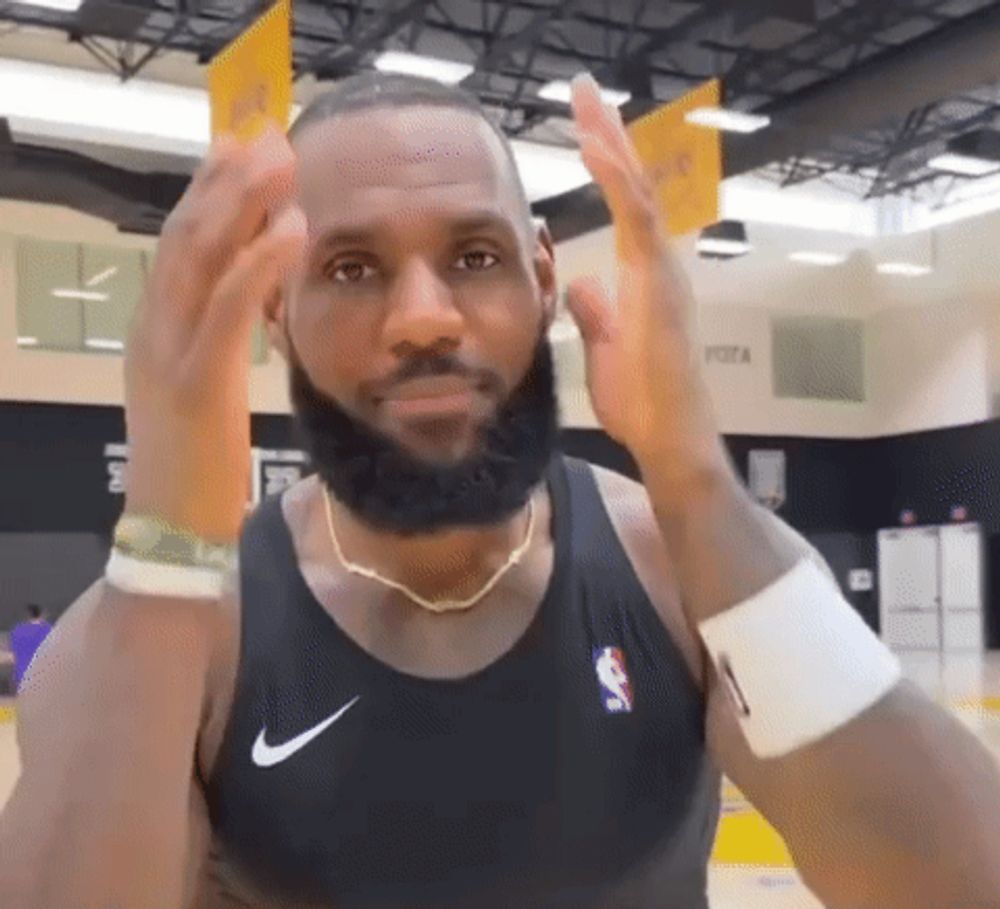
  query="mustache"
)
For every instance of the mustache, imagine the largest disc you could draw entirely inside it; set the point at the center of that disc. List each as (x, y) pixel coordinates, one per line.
(434, 365)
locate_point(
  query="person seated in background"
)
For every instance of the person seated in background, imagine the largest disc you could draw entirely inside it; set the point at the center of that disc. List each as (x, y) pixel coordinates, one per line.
(25, 639)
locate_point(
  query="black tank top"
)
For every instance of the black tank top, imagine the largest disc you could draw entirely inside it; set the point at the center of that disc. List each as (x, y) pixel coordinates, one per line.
(571, 772)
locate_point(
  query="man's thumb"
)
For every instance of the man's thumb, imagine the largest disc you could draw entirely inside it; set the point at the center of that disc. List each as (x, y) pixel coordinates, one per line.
(590, 307)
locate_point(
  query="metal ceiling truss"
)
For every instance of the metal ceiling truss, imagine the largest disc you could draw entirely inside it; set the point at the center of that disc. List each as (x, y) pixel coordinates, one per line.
(855, 28)
(653, 48)
(896, 160)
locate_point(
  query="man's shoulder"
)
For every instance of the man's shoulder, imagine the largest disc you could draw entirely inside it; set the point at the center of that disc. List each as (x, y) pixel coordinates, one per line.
(631, 514)
(625, 499)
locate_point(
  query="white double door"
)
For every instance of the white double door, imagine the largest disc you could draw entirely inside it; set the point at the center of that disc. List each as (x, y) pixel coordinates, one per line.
(931, 588)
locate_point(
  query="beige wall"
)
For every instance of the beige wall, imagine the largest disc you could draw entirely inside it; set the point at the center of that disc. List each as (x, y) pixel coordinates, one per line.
(932, 346)
(82, 378)
(929, 366)
(930, 362)
(736, 302)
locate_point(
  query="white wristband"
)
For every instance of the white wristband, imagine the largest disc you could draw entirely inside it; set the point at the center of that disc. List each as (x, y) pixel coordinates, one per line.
(799, 661)
(132, 575)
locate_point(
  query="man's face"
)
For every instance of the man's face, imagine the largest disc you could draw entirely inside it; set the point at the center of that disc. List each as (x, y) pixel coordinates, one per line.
(418, 321)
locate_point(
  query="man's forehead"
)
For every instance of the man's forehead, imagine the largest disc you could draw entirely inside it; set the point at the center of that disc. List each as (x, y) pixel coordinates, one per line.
(372, 146)
(373, 163)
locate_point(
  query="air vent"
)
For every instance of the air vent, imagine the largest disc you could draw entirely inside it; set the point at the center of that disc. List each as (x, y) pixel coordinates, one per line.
(818, 358)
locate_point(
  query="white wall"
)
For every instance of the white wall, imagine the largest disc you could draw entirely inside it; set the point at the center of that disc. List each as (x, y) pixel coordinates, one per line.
(994, 355)
(929, 366)
(935, 342)
(969, 249)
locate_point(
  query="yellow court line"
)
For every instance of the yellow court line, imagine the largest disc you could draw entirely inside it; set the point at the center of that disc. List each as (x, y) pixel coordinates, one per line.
(744, 837)
(7, 714)
(989, 704)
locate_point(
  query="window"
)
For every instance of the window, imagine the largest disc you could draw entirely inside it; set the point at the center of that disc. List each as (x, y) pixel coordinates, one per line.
(82, 297)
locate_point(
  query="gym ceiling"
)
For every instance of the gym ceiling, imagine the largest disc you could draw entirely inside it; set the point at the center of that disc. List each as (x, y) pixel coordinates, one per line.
(864, 92)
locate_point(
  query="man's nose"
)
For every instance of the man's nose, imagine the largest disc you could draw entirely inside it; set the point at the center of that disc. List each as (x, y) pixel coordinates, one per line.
(422, 311)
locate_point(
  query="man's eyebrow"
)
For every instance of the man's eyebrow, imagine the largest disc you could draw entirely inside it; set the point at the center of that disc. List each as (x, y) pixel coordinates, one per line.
(365, 234)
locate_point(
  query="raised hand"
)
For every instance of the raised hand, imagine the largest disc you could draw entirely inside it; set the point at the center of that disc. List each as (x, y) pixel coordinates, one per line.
(224, 251)
(643, 372)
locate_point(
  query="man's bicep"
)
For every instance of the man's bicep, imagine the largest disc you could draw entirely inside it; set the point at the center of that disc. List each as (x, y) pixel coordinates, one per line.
(773, 788)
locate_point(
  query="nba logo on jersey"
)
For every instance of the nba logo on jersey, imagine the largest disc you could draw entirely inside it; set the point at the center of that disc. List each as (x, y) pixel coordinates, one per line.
(612, 676)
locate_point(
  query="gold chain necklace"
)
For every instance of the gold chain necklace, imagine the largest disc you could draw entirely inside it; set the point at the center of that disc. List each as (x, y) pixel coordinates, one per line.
(438, 606)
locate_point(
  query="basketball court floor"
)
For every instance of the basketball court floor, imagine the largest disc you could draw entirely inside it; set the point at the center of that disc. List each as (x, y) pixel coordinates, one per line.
(751, 867)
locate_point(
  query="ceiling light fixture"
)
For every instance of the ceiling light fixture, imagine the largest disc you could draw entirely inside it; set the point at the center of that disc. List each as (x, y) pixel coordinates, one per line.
(448, 71)
(965, 165)
(78, 105)
(724, 240)
(823, 259)
(903, 269)
(549, 170)
(104, 344)
(560, 90)
(66, 6)
(973, 154)
(730, 121)
(102, 276)
(68, 293)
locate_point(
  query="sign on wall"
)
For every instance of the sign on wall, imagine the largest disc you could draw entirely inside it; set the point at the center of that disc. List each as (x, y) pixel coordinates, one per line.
(728, 354)
(275, 470)
(860, 580)
(272, 470)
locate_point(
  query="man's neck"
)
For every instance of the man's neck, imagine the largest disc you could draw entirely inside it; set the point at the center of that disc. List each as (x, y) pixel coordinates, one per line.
(446, 564)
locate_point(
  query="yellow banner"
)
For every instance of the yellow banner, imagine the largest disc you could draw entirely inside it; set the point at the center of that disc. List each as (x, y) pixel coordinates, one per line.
(250, 79)
(685, 161)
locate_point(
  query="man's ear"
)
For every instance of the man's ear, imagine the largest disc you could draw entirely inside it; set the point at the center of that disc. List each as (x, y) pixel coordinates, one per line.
(545, 269)
(275, 322)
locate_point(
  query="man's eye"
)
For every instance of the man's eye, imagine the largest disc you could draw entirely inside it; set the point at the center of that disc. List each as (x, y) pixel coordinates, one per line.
(477, 260)
(350, 272)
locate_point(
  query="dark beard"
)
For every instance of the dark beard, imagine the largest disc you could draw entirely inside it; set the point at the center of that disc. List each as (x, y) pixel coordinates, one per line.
(392, 490)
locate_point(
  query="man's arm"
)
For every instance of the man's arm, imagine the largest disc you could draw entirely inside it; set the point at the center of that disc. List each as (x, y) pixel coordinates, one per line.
(106, 807)
(900, 807)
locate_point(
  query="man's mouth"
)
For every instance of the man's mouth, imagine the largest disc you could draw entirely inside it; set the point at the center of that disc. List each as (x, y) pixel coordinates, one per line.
(433, 397)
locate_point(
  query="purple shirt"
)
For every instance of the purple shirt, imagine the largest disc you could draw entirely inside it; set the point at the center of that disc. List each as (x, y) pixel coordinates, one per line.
(25, 639)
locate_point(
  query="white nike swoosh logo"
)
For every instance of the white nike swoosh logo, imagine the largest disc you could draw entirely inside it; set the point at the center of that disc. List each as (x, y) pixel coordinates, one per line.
(265, 755)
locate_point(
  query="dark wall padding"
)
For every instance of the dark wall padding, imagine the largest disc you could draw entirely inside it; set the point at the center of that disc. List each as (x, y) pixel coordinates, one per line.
(53, 479)
(50, 569)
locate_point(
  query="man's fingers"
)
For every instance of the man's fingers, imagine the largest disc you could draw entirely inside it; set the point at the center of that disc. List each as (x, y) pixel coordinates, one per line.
(590, 306)
(604, 121)
(611, 158)
(255, 275)
(235, 204)
(227, 206)
(634, 212)
(220, 153)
